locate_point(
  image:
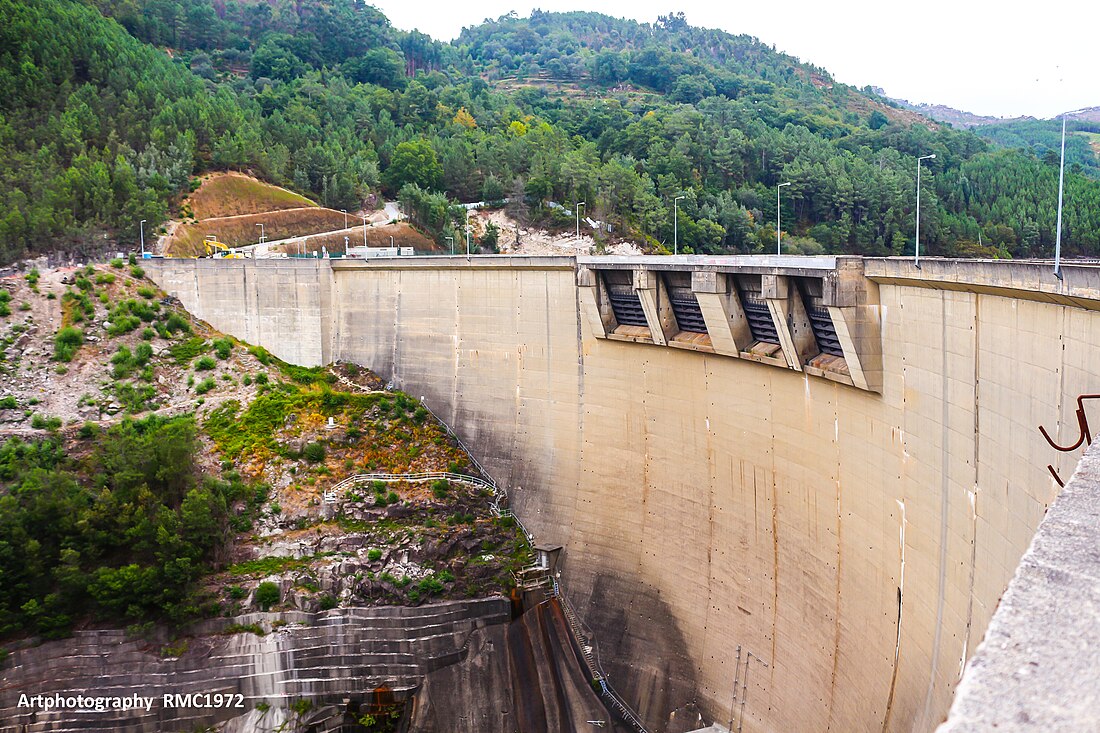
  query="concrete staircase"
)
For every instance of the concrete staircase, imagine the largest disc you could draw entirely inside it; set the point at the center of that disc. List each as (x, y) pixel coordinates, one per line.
(327, 658)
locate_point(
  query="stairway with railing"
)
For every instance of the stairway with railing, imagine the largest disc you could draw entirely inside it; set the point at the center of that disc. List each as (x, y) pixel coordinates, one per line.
(610, 697)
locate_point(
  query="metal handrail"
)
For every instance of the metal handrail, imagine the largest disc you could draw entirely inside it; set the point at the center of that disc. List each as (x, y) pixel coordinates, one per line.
(598, 676)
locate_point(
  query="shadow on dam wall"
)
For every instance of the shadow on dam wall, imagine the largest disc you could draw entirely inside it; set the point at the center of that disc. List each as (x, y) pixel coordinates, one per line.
(831, 464)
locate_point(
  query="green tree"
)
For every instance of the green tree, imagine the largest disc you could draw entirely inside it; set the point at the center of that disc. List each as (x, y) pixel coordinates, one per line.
(413, 161)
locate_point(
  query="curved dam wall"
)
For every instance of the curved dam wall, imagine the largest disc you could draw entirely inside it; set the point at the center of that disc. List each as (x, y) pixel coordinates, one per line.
(809, 530)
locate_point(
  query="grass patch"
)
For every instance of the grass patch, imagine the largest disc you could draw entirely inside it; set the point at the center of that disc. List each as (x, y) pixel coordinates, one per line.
(185, 351)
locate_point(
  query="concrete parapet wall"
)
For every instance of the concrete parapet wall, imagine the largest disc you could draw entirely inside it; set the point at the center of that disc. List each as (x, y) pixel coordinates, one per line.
(1036, 670)
(855, 538)
(279, 304)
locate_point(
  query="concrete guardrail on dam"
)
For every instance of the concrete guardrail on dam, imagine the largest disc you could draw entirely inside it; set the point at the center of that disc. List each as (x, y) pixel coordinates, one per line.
(791, 491)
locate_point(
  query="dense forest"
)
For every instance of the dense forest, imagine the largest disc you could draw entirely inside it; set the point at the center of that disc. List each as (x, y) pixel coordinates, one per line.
(122, 533)
(109, 107)
(1044, 138)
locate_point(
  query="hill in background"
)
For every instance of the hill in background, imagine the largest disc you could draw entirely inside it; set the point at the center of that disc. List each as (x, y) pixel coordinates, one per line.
(108, 111)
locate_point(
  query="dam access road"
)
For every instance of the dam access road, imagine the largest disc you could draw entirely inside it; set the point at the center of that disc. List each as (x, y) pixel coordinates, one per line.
(790, 491)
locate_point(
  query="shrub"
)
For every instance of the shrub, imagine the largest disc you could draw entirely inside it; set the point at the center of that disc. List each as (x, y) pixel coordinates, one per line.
(176, 322)
(148, 334)
(392, 498)
(5, 310)
(261, 378)
(32, 277)
(147, 292)
(66, 342)
(45, 423)
(268, 594)
(204, 363)
(247, 379)
(8, 403)
(205, 386)
(24, 306)
(116, 263)
(261, 354)
(88, 430)
(137, 272)
(5, 296)
(328, 602)
(374, 554)
(123, 362)
(223, 348)
(441, 488)
(237, 593)
(429, 585)
(143, 353)
(104, 278)
(314, 452)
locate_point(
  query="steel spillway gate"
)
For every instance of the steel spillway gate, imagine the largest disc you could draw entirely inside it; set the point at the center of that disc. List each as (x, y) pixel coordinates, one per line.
(685, 306)
(756, 310)
(624, 299)
(821, 322)
(824, 331)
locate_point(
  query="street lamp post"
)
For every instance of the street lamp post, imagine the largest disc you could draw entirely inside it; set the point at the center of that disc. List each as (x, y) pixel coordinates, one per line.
(452, 241)
(467, 232)
(916, 238)
(345, 213)
(141, 227)
(676, 224)
(579, 205)
(261, 226)
(364, 231)
(778, 219)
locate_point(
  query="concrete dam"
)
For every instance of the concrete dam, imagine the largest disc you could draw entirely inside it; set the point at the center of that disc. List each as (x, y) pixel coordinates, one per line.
(790, 491)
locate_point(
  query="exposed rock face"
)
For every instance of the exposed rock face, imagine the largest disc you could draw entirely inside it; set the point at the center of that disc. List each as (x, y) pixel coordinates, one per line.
(522, 677)
(461, 665)
(304, 673)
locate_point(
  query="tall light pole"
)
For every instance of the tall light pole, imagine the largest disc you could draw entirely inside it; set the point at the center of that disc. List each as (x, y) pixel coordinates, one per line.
(345, 213)
(452, 241)
(676, 224)
(579, 205)
(778, 219)
(141, 227)
(364, 231)
(1061, 183)
(261, 226)
(467, 232)
(916, 249)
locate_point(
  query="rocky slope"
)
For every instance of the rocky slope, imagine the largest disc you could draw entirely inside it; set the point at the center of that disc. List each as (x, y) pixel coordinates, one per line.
(362, 553)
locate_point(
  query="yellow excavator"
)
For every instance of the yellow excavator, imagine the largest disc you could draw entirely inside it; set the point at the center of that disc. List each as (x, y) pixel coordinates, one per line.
(220, 251)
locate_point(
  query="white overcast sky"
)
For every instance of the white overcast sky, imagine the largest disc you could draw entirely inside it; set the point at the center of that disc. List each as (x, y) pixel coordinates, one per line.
(991, 58)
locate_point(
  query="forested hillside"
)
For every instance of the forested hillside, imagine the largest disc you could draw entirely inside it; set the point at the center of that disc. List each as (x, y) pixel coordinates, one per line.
(109, 107)
(1044, 139)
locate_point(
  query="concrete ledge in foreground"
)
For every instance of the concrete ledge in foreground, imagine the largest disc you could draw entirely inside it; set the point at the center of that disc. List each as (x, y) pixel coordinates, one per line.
(1038, 668)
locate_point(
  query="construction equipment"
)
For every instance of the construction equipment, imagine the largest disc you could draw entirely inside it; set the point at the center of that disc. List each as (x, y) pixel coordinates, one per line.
(220, 251)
